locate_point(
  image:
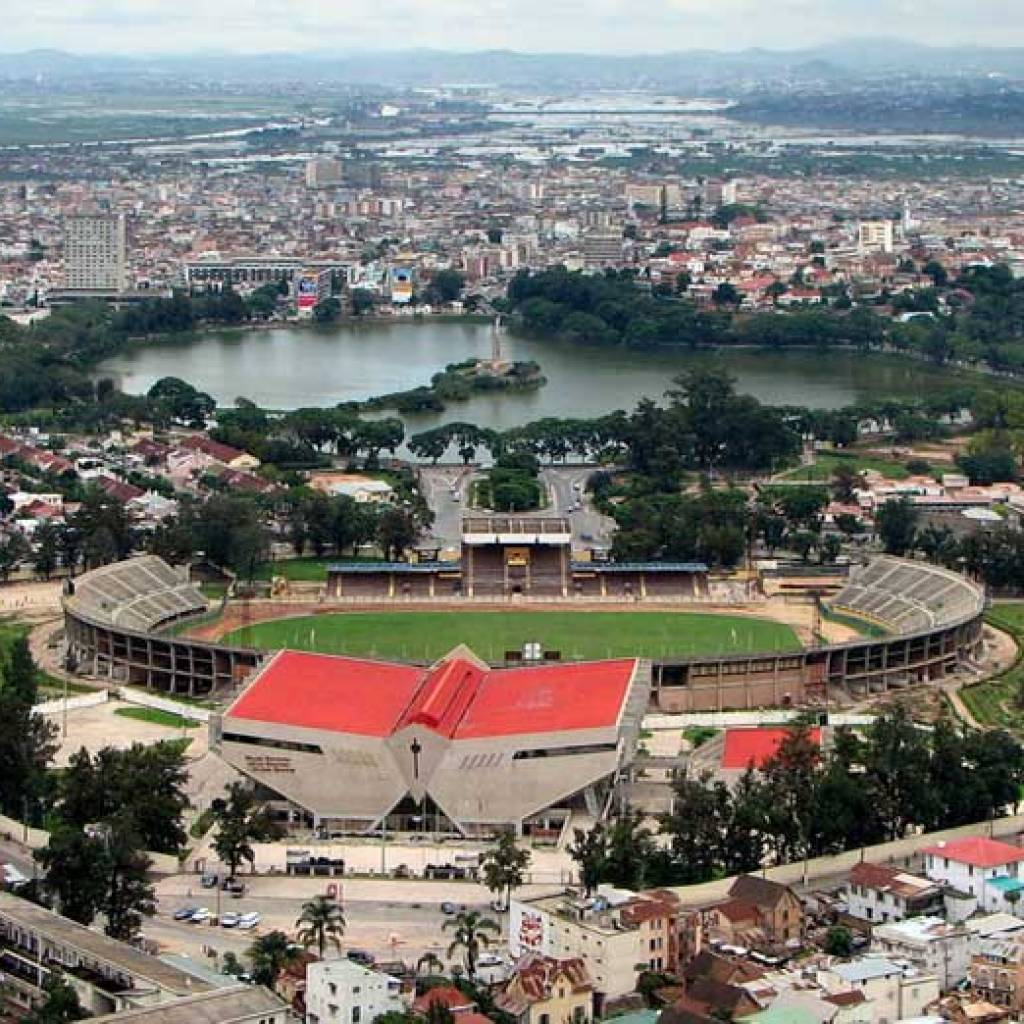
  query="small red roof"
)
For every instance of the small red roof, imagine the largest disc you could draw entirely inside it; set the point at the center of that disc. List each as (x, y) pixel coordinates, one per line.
(446, 995)
(755, 746)
(977, 851)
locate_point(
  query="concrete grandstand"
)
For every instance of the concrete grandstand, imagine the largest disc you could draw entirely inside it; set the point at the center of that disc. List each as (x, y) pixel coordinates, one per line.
(929, 623)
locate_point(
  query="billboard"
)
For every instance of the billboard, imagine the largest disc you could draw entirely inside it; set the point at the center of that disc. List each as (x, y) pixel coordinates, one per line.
(307, 289)
(401, 285)
(529, 930)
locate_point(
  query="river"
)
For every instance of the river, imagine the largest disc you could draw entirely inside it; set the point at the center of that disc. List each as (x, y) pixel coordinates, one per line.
(284, 368)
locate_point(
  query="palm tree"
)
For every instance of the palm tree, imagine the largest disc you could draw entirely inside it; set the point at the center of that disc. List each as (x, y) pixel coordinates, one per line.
(321, 922)
(471, 934)
(429, 963)
(270, 954)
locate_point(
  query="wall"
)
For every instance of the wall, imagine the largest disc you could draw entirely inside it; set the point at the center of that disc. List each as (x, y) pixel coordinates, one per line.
(840, 864)
(149, 700)
(85, 700)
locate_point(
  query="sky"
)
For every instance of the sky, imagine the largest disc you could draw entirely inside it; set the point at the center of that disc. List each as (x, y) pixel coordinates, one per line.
(597, 26)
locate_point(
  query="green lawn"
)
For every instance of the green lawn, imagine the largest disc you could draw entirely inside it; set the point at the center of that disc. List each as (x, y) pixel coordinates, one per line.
(154, 716)
(578, 635)
(49, 686)
(994, 702)
(302, 570)
(826, 463)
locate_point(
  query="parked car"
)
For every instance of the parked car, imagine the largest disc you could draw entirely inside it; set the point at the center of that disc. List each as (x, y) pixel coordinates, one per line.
(449, 908)
(234, 886)
(489, 960)
(250, 920)
(360, 956)
(185, 913)
(202, 914)
(230, 919)
(208, 881)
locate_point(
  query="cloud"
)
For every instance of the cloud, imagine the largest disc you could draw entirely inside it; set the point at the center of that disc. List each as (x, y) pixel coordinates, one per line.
(613, 26)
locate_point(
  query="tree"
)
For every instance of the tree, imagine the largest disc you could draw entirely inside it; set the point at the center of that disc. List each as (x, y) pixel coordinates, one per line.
(327, 311)
(590, 852)
(61, 1005)
(504, 866)
(13, 548)
(240, 820)
(447, 285)
(129, 897)
(396, 531)
(46, 539)
(472, 932)
(76, 866)
(839, 941)
(896, 523)
(27, 740)
(362, 301)
(270, 954)
(321, 922)
(726, 295)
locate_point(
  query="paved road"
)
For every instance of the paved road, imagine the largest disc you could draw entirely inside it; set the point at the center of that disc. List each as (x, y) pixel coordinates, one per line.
(565, 486)
(437, 484)
(388, 930)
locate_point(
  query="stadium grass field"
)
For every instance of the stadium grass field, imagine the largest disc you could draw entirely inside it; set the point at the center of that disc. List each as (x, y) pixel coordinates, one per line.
(426, 636)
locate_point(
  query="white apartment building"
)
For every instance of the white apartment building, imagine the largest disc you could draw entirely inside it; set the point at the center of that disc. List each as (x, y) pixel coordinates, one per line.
(967, 864)
(931, 943)
(343, 992)
(95, 253)
(875, 236)
(894, 991)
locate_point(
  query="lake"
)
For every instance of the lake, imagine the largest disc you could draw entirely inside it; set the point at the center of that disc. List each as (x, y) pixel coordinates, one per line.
(285, 368)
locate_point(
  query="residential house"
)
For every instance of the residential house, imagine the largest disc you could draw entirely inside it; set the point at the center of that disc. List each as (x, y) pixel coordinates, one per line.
(895, 991)
(931, 943)
(779, 913)
(997, 973)
(966, 864)
(223, 453)
(545, 990)
(879, 893)
(344, 992)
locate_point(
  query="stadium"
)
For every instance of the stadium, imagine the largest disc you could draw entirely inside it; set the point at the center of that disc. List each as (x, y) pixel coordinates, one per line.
(473, 740)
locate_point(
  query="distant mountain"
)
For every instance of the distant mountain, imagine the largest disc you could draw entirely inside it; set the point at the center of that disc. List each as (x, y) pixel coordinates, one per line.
(853, 60)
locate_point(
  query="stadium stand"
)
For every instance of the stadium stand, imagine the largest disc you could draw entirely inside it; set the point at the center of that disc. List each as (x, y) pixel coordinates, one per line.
(908, 597)
(141, 594)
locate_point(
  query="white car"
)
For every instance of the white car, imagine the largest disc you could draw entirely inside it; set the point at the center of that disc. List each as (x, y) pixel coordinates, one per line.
(230, 919)
(200, 916)
(250, 920)
(490, 960)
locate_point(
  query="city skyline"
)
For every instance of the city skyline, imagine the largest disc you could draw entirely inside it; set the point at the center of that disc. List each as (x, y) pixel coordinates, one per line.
(591, 26)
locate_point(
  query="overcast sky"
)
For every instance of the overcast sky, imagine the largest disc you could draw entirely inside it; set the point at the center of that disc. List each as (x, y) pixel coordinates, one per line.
(605, 26)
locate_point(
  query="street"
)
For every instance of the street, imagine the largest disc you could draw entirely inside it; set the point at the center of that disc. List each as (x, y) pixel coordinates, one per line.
(565, 487)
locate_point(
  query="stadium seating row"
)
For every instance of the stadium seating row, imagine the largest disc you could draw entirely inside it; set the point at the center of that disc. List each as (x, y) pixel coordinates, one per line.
(141, 593)
(907, 597)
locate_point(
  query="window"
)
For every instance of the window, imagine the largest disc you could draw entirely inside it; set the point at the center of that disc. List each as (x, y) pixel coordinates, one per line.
(333, 988)
(356, 1014)
(544, 1019)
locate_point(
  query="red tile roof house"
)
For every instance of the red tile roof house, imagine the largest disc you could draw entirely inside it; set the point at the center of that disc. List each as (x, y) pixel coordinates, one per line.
(967, 864)
(462, 1008)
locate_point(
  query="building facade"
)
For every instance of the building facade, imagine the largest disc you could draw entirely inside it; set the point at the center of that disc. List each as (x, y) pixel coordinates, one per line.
(95, 253)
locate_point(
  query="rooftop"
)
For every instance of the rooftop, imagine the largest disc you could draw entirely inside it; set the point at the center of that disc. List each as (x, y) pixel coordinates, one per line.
(223, 1006)
(755, 746)
(459, 697)
(99, 947)
(977, 851)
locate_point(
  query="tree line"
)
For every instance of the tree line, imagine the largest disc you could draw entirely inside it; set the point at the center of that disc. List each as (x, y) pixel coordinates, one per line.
(809, 800)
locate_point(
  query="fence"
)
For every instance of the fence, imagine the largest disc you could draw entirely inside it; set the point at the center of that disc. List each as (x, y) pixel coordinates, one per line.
(62, 704)
(149, 700)
(743, 719)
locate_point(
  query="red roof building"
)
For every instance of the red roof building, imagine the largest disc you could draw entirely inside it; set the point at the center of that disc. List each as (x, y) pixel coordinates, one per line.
(479, 747)
(745, 747)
